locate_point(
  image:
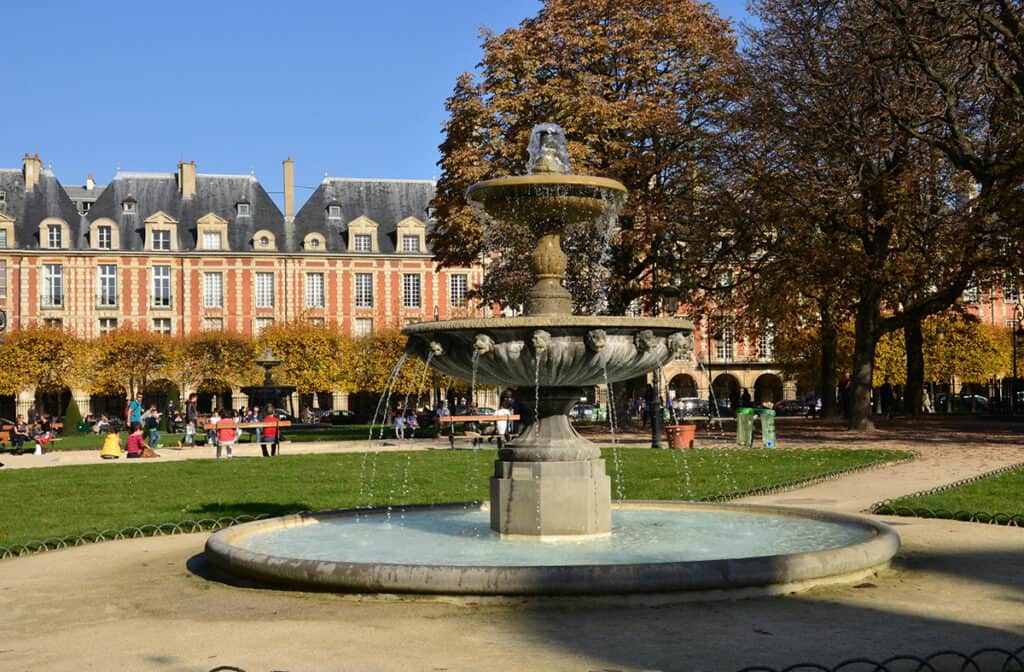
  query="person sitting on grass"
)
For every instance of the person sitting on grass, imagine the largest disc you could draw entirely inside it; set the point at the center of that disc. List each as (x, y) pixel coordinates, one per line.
(136, 444)
(111, 445)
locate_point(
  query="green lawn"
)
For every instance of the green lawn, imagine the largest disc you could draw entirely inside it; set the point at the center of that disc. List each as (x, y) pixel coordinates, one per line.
(36, 504)
(1003, 494)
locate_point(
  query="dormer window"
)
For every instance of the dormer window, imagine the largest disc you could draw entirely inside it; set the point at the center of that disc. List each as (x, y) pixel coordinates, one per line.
(212, 233)
(243, 209)
(410, 243)
(333, 212)
(128, 206)
(3, 196)
(314, 241)
(264, 240)
(363, 242)
(314, 244)
(53, 236)
(212, 240)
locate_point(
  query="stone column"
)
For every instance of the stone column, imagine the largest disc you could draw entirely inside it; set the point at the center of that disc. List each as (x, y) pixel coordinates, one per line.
(238, 398)
(84, 401)
(24, 401)
(789, 389)
(339, 401)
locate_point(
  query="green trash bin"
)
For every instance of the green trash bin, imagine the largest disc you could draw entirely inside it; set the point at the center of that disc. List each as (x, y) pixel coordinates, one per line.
(767, 416)
(745, 427)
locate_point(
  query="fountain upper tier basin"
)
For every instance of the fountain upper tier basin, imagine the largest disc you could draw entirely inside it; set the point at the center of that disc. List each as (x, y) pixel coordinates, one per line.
(568, 199)
(562, 351)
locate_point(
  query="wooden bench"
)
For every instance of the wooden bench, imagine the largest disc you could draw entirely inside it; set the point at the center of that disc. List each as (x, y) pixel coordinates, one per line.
(450, 420)
(259, 424)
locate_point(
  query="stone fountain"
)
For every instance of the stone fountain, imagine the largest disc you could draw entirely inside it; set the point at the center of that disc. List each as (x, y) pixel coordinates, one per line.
(550, 527)
(269, 392)
(549, 482)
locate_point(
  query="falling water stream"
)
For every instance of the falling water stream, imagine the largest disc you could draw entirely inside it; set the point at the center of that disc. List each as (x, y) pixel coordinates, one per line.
(620, 486)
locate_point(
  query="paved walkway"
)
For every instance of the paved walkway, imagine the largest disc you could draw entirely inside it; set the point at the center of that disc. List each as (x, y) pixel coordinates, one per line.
(154, 604)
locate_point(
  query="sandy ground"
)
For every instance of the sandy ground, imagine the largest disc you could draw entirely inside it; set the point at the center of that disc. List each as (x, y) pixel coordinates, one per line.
(154, 604)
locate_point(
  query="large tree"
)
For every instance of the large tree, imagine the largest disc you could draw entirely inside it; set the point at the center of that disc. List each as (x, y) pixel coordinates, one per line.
(642, 90)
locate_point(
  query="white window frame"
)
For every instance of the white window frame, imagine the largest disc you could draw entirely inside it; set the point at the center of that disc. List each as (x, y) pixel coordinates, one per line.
(410, 243)
(54, 236)
(313, 291)
(213, 240)
(262, 323)
(412, 290)
(458, 290)
(213, 324)
(53, 286)
(333, 212)
(4, 244)
(362, 242)
(104, 237)
(161, 240)
(161, 287)
(724, 346)
(107, 325)
(243, 209)
(106, 286)
(364, 290)
(163, 325)
(362, 326)
(264, 289)
(213, 289)
(128, 207)
(1011, 294)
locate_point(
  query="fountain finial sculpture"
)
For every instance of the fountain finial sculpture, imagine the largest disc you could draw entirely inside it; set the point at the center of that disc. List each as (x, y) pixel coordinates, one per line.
(548, 150)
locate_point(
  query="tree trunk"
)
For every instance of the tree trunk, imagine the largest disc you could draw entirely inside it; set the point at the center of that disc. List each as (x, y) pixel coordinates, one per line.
(865, 342)
(914, 344)
(829, 337)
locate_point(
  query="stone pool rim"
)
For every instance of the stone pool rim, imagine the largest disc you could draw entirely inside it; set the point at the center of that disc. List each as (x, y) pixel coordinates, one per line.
(772, 572)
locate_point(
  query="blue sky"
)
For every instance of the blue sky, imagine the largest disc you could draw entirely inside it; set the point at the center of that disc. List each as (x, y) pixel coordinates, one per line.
(353, 88)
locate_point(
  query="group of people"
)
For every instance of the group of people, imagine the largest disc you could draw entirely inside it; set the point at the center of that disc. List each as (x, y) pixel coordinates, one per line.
(225, 431)
(39, 432)
(503, 424)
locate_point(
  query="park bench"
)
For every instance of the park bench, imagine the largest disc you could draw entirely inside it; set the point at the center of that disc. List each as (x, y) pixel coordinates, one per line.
(7, 431)
(252, 426)
(451, 420)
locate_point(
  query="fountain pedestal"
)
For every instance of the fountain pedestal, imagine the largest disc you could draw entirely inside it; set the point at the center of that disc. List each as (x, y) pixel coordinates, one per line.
(551, 499)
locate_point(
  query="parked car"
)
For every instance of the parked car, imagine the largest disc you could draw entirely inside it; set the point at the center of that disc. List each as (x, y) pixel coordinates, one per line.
(485, 410)
(584, 412)
(792, 407)
(338, 417)
(962, 403)
(284, 415)
(690, 407)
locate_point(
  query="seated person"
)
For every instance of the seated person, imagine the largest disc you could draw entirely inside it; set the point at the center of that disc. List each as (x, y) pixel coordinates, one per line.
(42, 432)
(111, 446)
(19, 435)
(101, 425)
(136, 444)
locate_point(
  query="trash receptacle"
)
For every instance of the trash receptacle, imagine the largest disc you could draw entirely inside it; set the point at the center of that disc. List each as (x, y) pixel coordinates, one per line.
(680, 437)
(767, 417)
(745, 427)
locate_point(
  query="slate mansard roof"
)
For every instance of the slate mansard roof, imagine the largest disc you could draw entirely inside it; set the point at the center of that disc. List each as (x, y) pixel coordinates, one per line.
(29, 209)
(217, 194)
(386, 202)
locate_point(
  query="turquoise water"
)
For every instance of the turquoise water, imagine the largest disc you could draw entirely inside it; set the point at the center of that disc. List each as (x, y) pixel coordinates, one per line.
(464, 538)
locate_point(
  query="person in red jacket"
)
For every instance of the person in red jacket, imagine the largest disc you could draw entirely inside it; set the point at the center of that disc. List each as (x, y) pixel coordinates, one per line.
(227, 431)
(136, 444)
(271, 433)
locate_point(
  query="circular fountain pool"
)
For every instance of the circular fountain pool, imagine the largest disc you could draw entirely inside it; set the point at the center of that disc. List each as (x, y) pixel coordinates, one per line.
(653, 547)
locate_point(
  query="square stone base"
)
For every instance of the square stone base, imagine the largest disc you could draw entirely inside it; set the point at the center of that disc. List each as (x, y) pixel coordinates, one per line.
(551, 499)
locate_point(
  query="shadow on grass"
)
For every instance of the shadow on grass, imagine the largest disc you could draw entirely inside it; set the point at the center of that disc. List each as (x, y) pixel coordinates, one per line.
(221, 510)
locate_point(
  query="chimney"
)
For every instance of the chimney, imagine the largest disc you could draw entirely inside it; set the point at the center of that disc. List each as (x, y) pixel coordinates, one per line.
(32, 167)
(289, 188)
(90, 183)
(187, 178)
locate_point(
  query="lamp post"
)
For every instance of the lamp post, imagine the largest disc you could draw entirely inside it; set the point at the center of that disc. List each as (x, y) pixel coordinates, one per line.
(1016, 341)
(670, 302)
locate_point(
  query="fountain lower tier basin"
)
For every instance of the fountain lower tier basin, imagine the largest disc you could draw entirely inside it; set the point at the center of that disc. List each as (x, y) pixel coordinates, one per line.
(561, 351)
(654, 547)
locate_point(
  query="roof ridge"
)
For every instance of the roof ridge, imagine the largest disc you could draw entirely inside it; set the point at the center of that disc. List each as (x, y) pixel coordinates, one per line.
(378, 179)
(127, 173)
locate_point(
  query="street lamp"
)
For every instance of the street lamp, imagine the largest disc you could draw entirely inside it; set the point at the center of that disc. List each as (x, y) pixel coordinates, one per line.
(670, 302)
(1016, 341)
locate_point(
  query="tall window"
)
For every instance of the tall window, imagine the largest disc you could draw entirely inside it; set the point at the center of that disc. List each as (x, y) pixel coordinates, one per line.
(54, 237)
(211, 240)
(161, 286)
(53, 285)
(3, 239)
(364, 326)
(264, 290)
(107, 324)
(262, 323)
(213, 290)
(410, 243)
(161, 239)
(972, 293)
(458, 290)
(362, 243)
(723, 347)
(3, 278)
(213, 324)
(1010, 292)
(411, 290)
(106, 289)
(364, 290)
(766, 346)
(103, 237)
(314, 290)
(162, 325)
